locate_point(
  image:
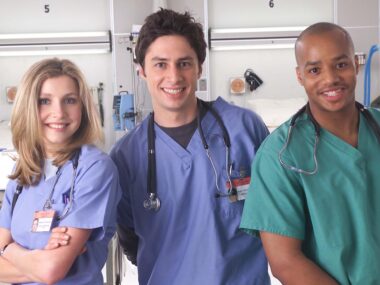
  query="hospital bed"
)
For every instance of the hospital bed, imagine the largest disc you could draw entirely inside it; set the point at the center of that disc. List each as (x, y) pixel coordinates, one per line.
(6, 154)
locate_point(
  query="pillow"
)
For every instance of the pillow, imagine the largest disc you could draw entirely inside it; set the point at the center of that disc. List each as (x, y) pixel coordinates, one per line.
(6, 162)
(276, 111)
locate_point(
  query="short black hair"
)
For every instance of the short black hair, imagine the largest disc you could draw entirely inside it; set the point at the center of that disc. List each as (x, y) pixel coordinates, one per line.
(324, 27)
(167, 22)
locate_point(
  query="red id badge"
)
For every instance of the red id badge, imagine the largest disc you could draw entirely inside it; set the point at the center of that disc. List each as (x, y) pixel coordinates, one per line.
(240, 188)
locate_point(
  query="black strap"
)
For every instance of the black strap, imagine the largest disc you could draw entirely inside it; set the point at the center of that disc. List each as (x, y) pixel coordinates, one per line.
(306, 109)
(151, 177)
(15, 197)
(129, 241)
(208, 107)
(367, 115)
(75, 158)
(371, 121)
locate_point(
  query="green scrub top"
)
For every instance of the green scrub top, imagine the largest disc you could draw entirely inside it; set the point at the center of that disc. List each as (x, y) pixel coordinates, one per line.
(335, 212)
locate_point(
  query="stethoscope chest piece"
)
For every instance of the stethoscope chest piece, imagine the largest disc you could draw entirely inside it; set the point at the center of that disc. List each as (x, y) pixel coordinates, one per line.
(152, 203)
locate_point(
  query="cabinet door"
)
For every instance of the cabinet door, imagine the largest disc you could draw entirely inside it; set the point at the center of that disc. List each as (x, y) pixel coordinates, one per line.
(268, 13)
(20, 16)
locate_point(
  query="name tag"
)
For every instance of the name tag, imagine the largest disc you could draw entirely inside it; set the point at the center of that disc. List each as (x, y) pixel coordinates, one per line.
(43, 221)
(239, 188)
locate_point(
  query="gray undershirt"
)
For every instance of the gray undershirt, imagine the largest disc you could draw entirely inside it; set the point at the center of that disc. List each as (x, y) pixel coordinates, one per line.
(183, 134)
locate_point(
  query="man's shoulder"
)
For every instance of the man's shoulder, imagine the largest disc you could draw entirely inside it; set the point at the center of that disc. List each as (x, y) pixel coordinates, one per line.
(375, 112)
(132, 138)
(276, 139)
(91, 152)
(222, 105)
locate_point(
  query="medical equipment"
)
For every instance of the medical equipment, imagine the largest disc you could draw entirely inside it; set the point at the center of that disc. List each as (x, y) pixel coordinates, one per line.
(48, 203)
(100, 90)
(153, 202)
(367, 76)
(306, 109)
(253, 80)
(123, 111)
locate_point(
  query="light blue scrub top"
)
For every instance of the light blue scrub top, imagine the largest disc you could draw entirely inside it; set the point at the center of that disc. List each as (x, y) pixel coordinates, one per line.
(335, 212)
(194, 238)
(96, 194)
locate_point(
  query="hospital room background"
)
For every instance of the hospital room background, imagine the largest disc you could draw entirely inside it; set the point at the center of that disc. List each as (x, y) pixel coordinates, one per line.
(250, 60)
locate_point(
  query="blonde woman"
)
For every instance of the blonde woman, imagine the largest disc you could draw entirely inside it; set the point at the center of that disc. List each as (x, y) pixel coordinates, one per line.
(61, 180)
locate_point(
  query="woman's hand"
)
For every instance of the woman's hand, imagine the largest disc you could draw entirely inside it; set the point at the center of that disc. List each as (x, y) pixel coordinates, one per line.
(58, 238)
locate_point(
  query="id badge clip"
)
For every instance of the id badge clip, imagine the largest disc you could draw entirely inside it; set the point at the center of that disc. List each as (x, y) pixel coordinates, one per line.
(43, 221)
(239, 188)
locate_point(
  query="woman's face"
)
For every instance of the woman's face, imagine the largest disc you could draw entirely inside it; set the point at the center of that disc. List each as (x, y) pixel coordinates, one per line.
(60, 111)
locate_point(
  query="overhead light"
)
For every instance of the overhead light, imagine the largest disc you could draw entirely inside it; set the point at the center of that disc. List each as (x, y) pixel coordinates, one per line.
(256, 33)
(254, 38)
(55, 43)
(253, 44)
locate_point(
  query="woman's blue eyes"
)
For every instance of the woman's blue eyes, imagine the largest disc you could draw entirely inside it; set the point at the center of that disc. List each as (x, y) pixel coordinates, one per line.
(46, 101)
(43, 101)
(70, 100)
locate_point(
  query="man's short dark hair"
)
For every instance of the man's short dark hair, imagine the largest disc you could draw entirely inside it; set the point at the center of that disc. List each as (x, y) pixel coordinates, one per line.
(324, 27)
(168, 22)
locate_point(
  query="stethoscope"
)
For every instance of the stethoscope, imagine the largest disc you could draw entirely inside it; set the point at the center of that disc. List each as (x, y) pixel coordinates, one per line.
(306, 109)
(153, 202)
(49, 202)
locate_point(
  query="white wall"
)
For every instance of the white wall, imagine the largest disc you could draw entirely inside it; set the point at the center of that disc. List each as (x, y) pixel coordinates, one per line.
(258, 13)
(23, 16)
(362, 22)
(276, 68)
(20, 16)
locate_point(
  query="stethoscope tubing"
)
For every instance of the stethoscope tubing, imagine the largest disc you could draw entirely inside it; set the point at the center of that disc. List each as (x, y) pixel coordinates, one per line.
(306, 109)
(48, 202)
(153, 202)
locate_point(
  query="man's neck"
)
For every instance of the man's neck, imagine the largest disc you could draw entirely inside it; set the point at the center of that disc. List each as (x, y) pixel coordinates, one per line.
(172, 119)
(344, 124)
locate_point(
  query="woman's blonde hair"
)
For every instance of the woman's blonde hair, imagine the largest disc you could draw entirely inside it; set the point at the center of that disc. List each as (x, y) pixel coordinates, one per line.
(26, 127)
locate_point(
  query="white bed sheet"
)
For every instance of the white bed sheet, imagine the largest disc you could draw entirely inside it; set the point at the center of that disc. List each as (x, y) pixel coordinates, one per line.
(276, 111)
(6, 152)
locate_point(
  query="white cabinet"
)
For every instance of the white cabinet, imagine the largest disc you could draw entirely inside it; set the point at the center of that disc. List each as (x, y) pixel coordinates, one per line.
(259, 13)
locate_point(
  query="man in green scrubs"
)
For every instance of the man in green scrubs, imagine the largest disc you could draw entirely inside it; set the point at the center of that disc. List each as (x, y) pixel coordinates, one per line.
(319, 217)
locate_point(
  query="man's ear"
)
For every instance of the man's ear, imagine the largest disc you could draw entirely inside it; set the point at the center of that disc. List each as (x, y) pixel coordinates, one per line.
(299, 76)
(140, 71)
(356, 64)
(200, 71)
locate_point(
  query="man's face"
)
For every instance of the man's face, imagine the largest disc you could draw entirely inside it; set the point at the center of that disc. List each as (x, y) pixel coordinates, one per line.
(171, 70)
(327, 69)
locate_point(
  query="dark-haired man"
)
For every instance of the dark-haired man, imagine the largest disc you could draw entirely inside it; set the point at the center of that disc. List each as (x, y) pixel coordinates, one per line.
(186, 229)
(315, 195)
